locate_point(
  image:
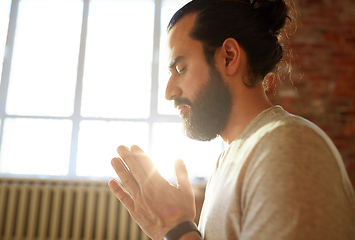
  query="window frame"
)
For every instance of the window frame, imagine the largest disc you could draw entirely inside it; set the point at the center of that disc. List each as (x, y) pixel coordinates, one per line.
(76, 118)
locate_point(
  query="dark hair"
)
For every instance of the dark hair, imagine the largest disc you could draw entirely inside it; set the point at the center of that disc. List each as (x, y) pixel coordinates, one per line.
(255, 25)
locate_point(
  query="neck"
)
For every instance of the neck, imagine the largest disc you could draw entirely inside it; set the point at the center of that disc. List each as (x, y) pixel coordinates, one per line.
(247, 104)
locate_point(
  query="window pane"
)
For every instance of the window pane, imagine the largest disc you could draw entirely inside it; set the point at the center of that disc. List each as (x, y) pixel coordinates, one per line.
(98, 141)
(4, 23)
(44, 65)
(117, 75)
(168, 10)
(200, 157)
(36, 146)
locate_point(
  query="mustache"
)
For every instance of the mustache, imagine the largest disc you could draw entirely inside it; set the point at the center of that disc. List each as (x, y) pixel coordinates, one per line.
(182, 101)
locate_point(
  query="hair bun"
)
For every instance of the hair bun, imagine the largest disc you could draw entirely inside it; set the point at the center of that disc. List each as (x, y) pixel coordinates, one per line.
(274, 13)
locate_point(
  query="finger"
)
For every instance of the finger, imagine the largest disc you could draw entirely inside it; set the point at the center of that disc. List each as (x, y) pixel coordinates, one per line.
(134, 166)
(147, 164)
(121, 194)
(126, 177)
(182, 178)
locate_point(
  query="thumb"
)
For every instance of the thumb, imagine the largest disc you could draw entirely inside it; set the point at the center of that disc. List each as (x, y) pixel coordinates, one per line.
(182, 178)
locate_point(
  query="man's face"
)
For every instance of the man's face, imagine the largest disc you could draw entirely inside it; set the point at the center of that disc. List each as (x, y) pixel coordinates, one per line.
(198, 91)
(210, 110)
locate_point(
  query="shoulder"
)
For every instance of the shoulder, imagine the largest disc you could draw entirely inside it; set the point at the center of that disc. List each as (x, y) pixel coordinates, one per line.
(295, 137)
(278, 131)
(281, 130)
(296, 144)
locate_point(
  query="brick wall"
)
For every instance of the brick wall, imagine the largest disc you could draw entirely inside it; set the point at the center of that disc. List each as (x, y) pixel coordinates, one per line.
(323, 75)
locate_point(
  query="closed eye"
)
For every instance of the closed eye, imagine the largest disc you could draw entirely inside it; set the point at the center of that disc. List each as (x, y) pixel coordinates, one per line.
(180, 71)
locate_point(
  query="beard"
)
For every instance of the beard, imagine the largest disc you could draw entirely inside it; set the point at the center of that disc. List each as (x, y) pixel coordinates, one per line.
(210, 112)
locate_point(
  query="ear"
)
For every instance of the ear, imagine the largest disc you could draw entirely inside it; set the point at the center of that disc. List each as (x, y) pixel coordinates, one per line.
(231, 53)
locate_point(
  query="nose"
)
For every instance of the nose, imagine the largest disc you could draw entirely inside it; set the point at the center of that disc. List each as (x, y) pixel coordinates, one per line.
(173, 90)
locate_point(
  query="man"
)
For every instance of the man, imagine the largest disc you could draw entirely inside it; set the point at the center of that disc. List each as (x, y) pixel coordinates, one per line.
(280, 176)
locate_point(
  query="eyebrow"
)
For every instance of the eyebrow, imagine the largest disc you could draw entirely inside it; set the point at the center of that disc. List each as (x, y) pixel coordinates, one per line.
(175, 61)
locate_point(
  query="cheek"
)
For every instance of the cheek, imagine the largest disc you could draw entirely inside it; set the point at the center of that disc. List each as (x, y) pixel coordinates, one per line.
(197, 76)
(193, 84)
(199, 79)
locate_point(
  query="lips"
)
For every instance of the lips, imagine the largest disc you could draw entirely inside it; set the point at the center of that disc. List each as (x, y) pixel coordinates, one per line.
(183, 108)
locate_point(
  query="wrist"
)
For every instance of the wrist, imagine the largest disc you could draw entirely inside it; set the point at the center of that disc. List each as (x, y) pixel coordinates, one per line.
(190, 236)
(182, 229)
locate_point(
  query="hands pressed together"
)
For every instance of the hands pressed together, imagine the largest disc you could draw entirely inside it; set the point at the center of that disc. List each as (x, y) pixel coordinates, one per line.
(155, 204)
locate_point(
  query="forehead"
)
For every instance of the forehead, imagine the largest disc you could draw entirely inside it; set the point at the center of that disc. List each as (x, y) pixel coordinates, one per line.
(179, 41)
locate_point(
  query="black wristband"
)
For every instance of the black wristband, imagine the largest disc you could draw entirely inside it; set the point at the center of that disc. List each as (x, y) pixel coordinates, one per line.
(180, 230)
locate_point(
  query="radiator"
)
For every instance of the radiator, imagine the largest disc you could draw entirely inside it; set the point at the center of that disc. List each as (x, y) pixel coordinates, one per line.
(63, 210)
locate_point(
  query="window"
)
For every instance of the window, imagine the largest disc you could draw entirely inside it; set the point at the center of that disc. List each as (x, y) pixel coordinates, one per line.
(81, 77)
